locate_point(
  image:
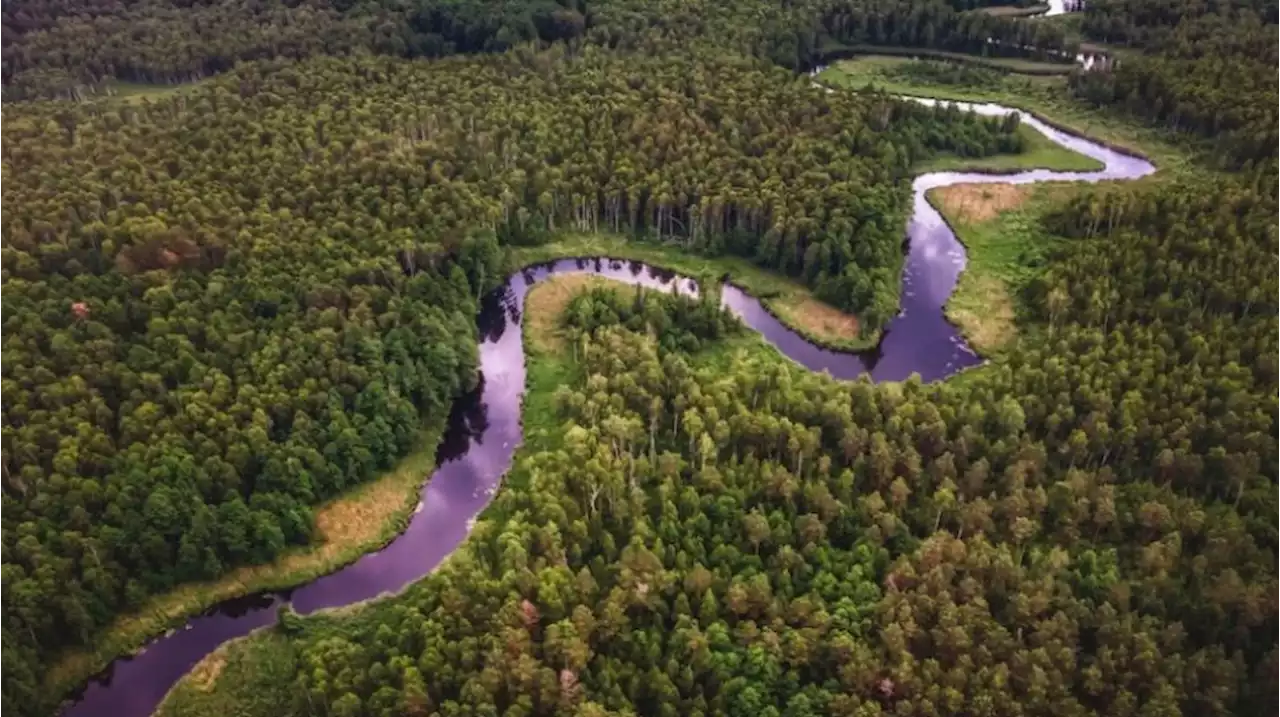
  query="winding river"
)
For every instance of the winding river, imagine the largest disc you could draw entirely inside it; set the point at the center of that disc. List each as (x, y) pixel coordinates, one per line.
(484, 427)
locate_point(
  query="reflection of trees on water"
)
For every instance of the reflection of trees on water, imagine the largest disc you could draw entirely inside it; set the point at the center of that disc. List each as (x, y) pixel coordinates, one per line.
(493, 317)
(666, 276)
(513, 305)
(468, 420)
(241, 606)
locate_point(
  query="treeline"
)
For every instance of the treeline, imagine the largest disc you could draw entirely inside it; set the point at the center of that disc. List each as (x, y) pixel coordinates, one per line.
(800, 35)
(963, 5)
(1088, 527)
(947, 73)
(452, 26)
(940, 26)
(224, 306)
(74, 48)
(1206, 69)
(1166, 25)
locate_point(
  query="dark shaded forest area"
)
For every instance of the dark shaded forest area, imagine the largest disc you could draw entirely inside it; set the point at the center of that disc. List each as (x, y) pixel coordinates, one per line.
(59, 48)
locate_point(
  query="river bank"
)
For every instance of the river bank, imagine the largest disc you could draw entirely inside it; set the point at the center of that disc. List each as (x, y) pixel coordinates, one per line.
(348, 527)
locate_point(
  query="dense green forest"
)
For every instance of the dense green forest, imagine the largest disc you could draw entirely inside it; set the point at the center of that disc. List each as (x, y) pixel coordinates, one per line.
(228, 305)
(1206, 68)
(1088, 529)
(233, 301)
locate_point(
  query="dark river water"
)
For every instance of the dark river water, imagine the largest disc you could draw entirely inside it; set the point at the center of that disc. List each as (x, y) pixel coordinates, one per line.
(484, 428)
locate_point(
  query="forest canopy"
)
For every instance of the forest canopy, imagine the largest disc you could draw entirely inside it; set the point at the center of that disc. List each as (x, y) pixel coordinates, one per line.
(229, 303)
(753, 538)
(1205, 68)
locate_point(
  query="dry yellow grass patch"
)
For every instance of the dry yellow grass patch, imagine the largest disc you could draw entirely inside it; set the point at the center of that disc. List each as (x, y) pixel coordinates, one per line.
(206, 671)
(547, 300)
(820, 320)
(983, 309)
(974, 203)
(360, 520)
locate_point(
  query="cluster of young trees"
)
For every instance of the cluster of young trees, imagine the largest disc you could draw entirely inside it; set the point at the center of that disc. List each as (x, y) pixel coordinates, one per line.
(1087, 528)
(946, 73)
(71, 48)
(226, 305)
(1206, 68)
(679, 322)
